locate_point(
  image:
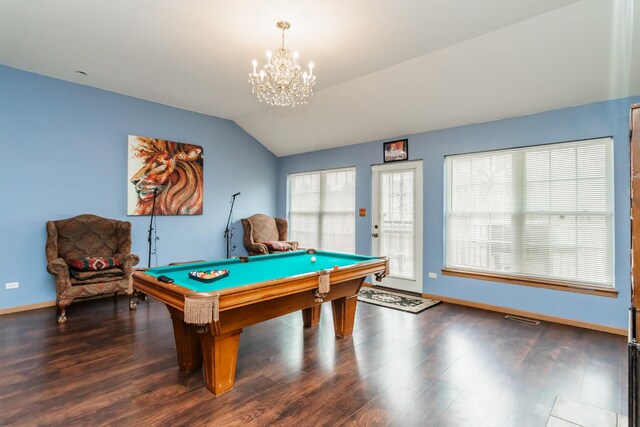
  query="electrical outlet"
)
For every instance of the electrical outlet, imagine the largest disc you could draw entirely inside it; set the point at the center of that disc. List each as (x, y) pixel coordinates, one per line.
(433, 275)
(12, 285)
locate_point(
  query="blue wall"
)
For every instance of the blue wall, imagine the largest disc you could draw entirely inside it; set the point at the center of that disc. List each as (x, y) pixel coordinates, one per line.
(64, 153)
(589, 121)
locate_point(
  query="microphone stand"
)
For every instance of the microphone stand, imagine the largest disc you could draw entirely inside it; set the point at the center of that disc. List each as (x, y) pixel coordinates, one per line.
(227, 231)
(153, 210)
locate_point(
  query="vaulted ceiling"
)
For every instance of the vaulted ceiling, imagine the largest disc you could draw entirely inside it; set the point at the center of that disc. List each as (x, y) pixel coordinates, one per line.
(385, 68)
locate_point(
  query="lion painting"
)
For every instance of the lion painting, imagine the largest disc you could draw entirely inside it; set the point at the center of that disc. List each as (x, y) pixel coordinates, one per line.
(169, 170)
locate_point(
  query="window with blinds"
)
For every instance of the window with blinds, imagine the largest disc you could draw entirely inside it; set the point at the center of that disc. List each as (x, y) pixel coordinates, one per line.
(542, 212)
(322, 209)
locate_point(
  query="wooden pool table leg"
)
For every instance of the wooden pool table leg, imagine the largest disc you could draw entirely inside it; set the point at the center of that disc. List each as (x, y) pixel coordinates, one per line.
(187, 342)
(220, 353)
(311, 315)
(344, 313)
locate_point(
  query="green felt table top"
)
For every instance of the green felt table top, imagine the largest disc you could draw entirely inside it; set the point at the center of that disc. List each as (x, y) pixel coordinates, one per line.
(259, 268)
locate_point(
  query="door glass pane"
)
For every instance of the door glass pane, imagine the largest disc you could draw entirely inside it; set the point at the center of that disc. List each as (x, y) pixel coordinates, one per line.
(396, 231)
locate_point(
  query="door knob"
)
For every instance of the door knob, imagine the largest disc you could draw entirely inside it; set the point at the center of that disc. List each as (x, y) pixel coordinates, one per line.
(374, 234)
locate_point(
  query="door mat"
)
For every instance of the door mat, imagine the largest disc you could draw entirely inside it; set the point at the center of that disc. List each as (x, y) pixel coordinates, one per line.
(395, 300)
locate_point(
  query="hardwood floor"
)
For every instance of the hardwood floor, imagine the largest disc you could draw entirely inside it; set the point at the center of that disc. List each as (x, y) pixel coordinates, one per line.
(449, 366)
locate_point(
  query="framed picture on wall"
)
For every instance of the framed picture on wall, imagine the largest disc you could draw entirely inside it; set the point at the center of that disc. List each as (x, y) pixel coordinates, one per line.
(164, 176)
(396, 150)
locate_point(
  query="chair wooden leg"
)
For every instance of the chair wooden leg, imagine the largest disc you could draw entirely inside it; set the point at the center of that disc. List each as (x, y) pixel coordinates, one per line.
(133, 301)
(139, 295)
(62, 312)
(62, 316)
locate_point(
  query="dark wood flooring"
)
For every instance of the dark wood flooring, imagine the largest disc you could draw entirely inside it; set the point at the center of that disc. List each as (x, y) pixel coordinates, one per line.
(449, 365)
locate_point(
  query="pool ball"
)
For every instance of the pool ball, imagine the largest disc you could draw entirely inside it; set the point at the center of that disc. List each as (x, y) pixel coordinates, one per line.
(335, 267)
(313, 259)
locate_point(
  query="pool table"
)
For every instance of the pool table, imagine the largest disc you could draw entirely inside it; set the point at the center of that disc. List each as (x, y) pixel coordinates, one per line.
(208, 317)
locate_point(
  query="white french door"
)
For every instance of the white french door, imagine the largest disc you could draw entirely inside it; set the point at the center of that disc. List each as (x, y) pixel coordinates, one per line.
(397, 222)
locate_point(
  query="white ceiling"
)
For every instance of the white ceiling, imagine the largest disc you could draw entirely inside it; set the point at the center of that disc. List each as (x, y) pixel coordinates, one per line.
(385, 68)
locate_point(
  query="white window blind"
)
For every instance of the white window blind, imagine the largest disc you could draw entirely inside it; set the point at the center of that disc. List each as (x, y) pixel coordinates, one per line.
(541, 212)
(322, 209)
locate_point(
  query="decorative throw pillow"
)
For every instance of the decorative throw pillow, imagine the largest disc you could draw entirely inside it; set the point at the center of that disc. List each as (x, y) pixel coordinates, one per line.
(278, 246)
(93, 263)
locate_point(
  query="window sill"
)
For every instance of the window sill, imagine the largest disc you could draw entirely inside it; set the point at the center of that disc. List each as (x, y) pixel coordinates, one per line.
(536, 283)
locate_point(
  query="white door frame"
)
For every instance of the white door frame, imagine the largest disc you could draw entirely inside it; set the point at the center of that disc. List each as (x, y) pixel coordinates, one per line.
(390, 281)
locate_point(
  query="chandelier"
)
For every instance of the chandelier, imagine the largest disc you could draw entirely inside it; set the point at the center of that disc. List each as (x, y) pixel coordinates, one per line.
(281, 81)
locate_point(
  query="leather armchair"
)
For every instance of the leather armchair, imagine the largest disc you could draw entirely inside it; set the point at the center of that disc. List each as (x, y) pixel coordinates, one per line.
(88, 236)
(261, 233)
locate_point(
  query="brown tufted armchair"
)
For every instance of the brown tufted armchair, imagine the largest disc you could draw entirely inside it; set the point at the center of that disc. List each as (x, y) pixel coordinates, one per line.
(262, 233)
(87, 236)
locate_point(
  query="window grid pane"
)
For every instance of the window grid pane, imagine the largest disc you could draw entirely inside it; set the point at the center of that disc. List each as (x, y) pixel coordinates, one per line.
(544, 212)
(322, 209)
